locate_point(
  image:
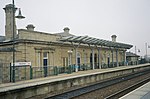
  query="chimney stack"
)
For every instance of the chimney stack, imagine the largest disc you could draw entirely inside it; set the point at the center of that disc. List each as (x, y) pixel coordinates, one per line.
(30, 27)
(9, 22)
(114, 38)
(66, 30)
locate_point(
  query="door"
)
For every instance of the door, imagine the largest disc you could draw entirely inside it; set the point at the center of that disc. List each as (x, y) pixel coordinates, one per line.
(79, 60)
(45, 67)
(91, 60)
(45, 63)
(95, 60)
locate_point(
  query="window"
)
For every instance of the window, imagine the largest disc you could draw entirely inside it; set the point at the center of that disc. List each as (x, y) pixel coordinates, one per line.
(85, 58)
(69, 58)
(39, 59)
(65, 61)
(45, 58)
(45, 55)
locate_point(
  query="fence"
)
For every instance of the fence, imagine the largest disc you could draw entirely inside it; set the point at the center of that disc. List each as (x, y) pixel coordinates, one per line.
(29, 72)
(4, 72)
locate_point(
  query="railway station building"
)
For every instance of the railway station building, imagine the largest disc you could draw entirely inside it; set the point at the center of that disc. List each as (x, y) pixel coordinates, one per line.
(59, 49)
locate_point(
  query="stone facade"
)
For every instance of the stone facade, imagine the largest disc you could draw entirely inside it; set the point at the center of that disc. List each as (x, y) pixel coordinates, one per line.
(44, 49)
(132, 58)
(47, 49)
(32, 45)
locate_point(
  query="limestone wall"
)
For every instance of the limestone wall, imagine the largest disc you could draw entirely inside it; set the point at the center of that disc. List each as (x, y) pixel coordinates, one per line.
(34, 35)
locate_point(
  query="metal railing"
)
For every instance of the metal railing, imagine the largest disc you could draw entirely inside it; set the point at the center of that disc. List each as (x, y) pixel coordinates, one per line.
(32, 72)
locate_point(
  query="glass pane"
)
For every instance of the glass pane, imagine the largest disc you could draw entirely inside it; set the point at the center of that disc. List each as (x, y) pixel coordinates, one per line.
(45, 54)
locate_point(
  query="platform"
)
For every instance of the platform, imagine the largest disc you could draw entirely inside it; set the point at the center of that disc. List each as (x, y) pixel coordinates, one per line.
(49, 84)
(142, 92)
(26, 83)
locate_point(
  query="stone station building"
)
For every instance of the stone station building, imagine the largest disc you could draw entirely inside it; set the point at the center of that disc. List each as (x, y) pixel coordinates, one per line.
(58, 49)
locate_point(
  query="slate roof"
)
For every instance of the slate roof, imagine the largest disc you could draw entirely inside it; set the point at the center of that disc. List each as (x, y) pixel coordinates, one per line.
(95, 41)
(64, 34)
(130, 54)
(2, 38)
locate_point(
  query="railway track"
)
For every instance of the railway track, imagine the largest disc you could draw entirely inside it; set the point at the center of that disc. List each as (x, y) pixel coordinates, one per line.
(127, 90)
(84, 90)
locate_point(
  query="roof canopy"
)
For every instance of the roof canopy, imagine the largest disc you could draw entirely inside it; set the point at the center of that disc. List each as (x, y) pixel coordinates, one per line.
(94, 41)
(130, 54)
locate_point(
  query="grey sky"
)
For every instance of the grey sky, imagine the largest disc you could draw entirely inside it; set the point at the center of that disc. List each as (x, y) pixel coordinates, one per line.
(128, 19)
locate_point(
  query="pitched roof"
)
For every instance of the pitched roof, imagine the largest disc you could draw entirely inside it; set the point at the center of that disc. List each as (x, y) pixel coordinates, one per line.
(64, 34)
(130, 54)
(2, 38)
(95, 41)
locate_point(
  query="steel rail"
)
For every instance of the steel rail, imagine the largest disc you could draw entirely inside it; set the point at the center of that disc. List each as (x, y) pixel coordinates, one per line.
(97, 86)
(127, 90)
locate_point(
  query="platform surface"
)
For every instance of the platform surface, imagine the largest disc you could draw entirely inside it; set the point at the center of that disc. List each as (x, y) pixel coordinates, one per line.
(29, 83)
(142, 92)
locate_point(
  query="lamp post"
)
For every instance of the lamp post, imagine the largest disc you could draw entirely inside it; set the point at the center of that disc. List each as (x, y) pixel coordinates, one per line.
(146, 49)
(13, 29)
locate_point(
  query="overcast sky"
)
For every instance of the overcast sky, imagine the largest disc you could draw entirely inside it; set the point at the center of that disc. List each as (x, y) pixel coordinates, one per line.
(128, 19)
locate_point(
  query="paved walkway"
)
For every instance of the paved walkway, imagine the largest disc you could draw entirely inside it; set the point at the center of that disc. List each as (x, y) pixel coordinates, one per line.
(142, 92)
(29, 83)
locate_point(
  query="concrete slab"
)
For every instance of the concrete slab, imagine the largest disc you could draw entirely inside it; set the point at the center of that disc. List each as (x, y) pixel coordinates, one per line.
(131, 97)
(142, 92)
